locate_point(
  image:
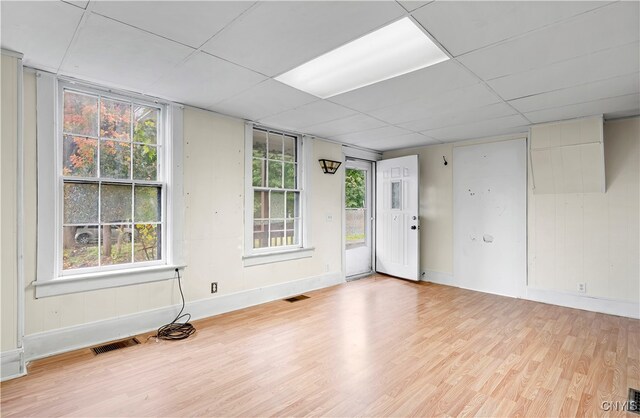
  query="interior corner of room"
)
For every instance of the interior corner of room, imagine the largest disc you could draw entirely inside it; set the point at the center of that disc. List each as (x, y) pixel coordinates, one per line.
(209, 162)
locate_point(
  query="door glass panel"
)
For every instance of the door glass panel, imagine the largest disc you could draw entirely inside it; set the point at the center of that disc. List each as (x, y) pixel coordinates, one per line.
(355, 211)
(396, 194)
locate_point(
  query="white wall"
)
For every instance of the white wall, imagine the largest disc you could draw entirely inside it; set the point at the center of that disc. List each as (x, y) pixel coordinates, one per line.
(592, 238)
(214, 230)
(8, 208)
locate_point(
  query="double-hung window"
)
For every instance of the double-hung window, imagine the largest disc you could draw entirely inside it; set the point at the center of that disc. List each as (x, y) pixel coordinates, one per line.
(113, 184)
(109, 188)
(275, 192)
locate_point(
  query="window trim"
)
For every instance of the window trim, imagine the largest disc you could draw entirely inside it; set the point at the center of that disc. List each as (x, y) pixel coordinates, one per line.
(51, 279)
(304, 249)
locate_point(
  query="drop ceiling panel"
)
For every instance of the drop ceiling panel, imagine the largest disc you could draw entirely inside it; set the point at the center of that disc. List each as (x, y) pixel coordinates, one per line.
(203, 80)
(364, 137)
(429, 81)
(459, 117)
(603, 28)
(463, 26)
(413, 139)
(498, 126)
(622, 60)
(109, 51)
(355, 123)
(274, 37)
(429, 105)
(301, 118)
(629, 103)
(611, 87)
(267, 98)
(41, 30)
(189, 22)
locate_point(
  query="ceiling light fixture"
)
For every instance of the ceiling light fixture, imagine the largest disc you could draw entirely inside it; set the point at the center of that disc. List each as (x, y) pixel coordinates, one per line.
(391, 51)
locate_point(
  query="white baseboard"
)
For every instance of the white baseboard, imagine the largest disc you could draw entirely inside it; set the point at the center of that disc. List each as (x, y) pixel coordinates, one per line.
(439, 278)
(607, 306)
(11, 364)
(61, 340)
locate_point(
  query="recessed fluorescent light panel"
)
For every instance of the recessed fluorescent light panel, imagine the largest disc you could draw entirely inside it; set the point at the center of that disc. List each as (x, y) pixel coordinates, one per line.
(396, 49)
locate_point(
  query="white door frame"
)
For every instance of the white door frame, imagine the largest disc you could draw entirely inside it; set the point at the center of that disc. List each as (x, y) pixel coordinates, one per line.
(369, 167)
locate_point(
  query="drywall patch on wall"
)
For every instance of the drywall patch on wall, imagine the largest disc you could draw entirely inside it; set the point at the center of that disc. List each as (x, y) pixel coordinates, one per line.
(489, 217)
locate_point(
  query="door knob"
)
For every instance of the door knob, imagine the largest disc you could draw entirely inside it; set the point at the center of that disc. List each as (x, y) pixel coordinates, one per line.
(414, 227)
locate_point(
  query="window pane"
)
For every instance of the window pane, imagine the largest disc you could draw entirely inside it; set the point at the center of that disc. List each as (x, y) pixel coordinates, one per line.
(289, 148)
(145, 162)
(259, 172)
(115, 203)
(277, 205)
(275, 174)
(292, 204)
(115, 120)
(291, 232)
(80, 203)
(80, 114)
(115, 159)
(116, 244)
(147, 242)
(395, 194)
(260, 234)
(145, 127)
(277, 233)
(80, 246)
(275, 146)
(289, 176)
(148, 204)
(79, 156)
(259, 144)
(260, 205)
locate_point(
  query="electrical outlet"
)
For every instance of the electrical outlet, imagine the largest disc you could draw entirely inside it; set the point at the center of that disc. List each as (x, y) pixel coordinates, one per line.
(582, 287)
(214, 287)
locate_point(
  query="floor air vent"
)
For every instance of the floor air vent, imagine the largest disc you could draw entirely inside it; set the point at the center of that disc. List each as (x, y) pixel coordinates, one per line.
(115, 346)
(297, 298)
(634, 400)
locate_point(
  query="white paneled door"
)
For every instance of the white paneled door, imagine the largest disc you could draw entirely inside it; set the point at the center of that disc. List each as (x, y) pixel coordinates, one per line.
(397, 221)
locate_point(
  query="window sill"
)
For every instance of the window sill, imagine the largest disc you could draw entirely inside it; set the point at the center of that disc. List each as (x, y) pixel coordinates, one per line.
(102, 280)
(277, 256)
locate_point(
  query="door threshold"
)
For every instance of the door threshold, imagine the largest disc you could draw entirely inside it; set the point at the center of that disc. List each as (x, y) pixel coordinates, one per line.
(359, 276)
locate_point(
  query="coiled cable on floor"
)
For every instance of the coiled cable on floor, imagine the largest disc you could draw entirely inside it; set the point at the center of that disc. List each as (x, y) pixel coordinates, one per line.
(177, 330)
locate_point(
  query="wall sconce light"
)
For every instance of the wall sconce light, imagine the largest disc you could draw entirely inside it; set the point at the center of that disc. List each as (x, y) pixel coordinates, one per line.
(329, 166)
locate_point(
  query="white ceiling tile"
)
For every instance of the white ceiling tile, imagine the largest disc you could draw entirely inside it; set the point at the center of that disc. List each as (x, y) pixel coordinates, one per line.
(363, 137)
(274, 37)
(355, 123)
(117, 54)
(445, 102)
(308, 115)
(411, 140)
(611, 87)
(188, 22)
(429, 81)
(597, 30)
(411, 5)
(82, 4)
(203, 80)
(485, 128)
(629, 104)
(459, 117)
(463, 26)
(622, 60)
(265, 99)
(41, 30)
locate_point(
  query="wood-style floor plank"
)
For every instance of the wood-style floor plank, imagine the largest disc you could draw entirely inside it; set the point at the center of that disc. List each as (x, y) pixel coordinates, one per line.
(374, 347)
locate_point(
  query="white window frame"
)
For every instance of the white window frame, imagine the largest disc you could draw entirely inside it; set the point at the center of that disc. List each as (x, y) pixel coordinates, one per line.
(256, 256)
(51, 278)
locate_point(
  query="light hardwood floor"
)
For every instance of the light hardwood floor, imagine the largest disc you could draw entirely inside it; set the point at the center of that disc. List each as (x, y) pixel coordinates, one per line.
(373, 347)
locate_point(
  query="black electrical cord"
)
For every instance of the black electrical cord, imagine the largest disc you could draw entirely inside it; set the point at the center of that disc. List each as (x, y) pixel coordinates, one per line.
(177, 330)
